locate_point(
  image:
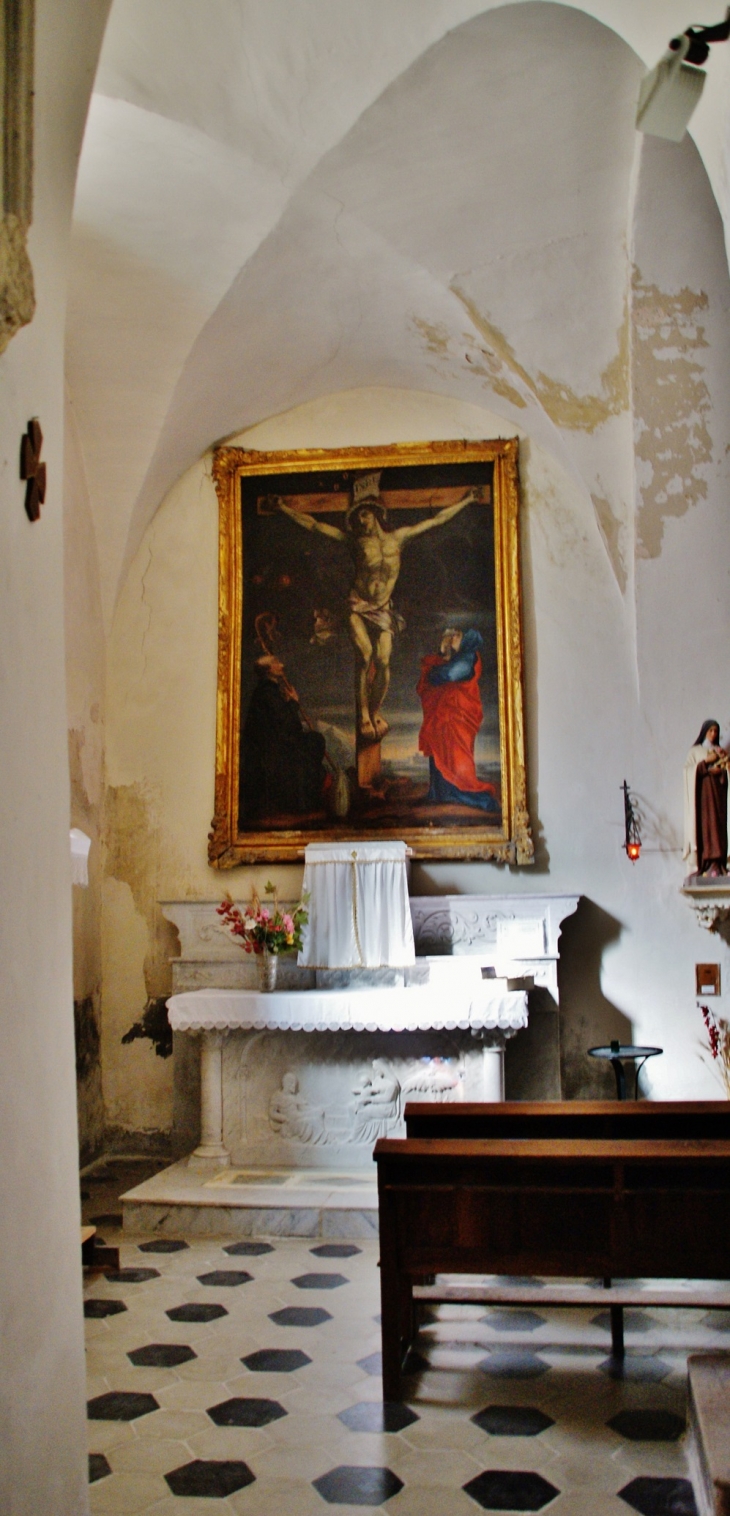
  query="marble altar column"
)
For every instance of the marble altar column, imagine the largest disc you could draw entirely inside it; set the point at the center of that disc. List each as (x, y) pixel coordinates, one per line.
(211, 1149)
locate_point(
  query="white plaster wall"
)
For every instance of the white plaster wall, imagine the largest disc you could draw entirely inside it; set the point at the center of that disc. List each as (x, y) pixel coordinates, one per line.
(85, 672)
(43, 1465)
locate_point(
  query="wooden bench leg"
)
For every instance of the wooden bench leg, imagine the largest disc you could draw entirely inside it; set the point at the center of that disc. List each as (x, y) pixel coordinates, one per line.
(617, 1331)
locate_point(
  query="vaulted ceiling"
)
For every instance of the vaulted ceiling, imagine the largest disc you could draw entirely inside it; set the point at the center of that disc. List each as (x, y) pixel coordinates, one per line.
(278, 199)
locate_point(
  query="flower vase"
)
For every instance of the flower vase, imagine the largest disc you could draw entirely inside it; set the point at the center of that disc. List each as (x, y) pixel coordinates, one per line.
(267, 964)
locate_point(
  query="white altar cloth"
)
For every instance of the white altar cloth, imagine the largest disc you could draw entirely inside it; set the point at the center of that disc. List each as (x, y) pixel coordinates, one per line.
(359, 911)
(485, 1006)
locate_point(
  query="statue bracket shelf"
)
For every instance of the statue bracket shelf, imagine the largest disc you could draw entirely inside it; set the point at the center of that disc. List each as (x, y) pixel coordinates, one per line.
(711, 905)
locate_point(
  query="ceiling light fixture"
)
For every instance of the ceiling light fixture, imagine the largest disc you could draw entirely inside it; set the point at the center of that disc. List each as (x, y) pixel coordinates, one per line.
(671, 91)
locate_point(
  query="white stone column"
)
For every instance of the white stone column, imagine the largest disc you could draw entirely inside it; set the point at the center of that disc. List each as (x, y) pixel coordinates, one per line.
(493, 1073)
(211, 1149)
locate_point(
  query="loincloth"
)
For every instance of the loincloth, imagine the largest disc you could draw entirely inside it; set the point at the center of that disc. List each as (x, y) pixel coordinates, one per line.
(384, 617)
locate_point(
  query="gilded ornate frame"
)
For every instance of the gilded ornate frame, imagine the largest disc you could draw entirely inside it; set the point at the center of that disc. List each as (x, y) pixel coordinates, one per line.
(511, 842)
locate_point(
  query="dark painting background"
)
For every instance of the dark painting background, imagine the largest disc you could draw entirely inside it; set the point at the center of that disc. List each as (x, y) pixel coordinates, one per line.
(447, 578)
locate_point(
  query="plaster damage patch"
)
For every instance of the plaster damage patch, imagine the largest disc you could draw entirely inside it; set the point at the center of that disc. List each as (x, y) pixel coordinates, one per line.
(672, 405)
(612, 532)
(133, 850)
(566, 409)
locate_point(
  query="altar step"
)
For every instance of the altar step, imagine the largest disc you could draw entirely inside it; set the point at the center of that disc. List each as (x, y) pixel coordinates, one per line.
(182, 1201)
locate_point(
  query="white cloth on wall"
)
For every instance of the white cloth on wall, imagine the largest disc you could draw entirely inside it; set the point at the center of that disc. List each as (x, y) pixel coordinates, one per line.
(359, 911)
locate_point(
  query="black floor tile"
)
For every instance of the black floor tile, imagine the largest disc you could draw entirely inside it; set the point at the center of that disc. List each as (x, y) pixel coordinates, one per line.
(161, 1355)
(133, 1276)
(196, 1311)
(377, 1416)
(348, 1485)
(300, 1316)
(248, 1249)
(95, 1309)
(659, 1497)
(373, 1364)
(634, 1321)
(510, 1490)
(113, 1218)
(335, 1250)
(319, 1281)
(98, 1467)
(513, 1363)
(243, 1411)
(163, 1245)
(216, 1477)
(512, 1319)
(637, 1368)
(225, 1278)
(120, 1405)
(276, 1360)
(648, 1425)
(717, 1321)
(513, 1420)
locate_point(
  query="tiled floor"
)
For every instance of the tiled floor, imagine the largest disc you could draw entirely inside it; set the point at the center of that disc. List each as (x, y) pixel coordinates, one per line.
(243, 1377)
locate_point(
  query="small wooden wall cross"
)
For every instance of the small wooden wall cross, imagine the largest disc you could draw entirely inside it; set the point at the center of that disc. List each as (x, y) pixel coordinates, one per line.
(32, 469)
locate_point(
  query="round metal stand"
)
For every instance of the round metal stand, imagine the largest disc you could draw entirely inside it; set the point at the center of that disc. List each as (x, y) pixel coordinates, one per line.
(616, 1053)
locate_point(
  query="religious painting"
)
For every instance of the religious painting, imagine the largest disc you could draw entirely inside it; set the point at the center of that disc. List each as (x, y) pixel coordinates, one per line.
(370, 654)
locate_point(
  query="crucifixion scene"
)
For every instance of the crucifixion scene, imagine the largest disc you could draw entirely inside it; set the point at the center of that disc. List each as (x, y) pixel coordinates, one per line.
(368, 657)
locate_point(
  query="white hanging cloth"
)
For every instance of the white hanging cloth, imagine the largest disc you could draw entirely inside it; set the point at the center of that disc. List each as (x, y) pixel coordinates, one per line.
(359, 911)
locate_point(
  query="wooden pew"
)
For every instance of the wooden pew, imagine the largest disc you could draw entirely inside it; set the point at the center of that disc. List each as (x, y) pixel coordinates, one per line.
(651, 1119)
(564, 1208)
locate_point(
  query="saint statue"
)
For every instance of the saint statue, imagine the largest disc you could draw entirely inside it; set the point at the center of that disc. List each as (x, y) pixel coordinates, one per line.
(705, 805)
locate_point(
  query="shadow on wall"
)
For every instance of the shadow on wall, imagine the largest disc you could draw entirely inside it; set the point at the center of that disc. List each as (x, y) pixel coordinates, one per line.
(587, 1018)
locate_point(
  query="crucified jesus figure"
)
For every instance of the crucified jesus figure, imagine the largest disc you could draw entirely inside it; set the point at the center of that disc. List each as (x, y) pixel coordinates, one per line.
(372, 621)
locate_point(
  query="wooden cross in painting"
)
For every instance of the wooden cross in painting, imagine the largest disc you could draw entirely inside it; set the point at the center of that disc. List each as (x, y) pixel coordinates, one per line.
(32, 469)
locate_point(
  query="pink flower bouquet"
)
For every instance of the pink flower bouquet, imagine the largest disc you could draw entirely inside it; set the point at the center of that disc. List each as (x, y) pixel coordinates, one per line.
(718, 1043)
(263, 928)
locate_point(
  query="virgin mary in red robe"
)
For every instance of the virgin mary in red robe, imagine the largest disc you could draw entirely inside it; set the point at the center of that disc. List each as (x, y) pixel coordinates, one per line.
(452, 715)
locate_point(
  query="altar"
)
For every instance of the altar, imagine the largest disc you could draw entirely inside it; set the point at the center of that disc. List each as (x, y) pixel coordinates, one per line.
(310, 1076)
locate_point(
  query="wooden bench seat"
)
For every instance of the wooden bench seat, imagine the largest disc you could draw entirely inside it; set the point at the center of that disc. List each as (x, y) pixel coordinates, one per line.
(564, 1208)
(571, 1118)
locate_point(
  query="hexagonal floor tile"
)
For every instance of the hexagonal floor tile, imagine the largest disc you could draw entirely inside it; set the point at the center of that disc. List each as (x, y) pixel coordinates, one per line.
(248, 1249)
(355, 1485)
(225, 1278)
(99, 1467)
(513, 1363)
(659, 1497)
(163, 1245)
(276, 1360)
(133, 1276)
(510, 1490)
(216, 1477)
(319, 1281)
(335, 1250)
(377, 1416)
(373, 1364)
(95, 1309)
(242, 1411)
(161, 1355)
(648, 1425)
(637, 1368)
(505, 1319)
(513, 1420)
(195, 1310)
(120, 1405)
(634, 1321)
(300, 1316)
